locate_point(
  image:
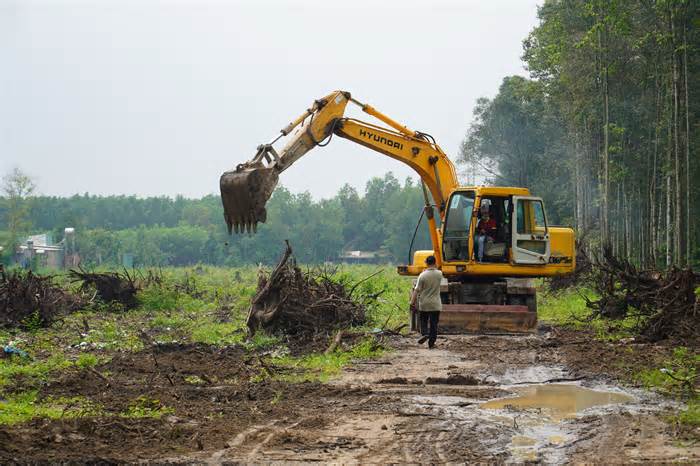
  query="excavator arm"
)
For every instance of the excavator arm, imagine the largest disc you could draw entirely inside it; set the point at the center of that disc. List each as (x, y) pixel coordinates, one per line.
(246, 189)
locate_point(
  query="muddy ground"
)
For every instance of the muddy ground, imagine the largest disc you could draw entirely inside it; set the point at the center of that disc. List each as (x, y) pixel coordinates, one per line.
(412, 405)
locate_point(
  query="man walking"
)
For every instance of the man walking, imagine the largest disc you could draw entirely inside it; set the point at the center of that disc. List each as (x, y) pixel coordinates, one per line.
(427, 293)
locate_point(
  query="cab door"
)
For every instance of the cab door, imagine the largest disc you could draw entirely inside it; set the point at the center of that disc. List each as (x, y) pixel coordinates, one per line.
(530, 238)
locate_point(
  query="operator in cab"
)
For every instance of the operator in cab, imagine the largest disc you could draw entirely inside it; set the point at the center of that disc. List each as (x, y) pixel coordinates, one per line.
(427, 294)
(486, 231)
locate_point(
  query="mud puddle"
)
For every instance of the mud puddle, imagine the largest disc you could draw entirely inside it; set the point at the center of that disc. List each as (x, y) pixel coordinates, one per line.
(558, 401)
(539, 415)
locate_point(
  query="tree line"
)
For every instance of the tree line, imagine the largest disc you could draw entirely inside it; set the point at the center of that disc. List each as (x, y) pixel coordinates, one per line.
(606, 127)
(159, 231)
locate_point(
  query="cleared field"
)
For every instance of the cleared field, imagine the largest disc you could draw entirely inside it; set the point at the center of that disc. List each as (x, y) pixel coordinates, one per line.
(177, 379)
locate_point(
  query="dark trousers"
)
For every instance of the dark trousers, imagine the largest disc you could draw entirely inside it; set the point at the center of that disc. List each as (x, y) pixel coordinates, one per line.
(429, 325)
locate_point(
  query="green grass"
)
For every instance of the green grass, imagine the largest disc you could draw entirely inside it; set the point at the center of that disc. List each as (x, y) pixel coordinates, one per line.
(26, 406)
(87, 360)
(568, 307)
(322, 367)
(30, 370)
(144, 407)
(391, 306)
(217, 333)
(691, 415)
(262, 341)
(677, 376)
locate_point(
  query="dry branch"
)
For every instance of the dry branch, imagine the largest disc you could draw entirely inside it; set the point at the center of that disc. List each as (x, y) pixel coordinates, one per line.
(30, 299)
(110, 286)
(664, 303)
(300, 304)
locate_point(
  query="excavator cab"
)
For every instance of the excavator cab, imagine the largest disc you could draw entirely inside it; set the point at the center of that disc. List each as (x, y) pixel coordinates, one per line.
(495, 293)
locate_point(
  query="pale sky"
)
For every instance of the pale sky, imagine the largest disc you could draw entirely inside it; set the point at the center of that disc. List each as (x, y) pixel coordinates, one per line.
(160, 97)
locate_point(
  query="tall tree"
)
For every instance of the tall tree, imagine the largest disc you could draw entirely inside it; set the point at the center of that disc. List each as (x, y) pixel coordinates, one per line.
(17, 188)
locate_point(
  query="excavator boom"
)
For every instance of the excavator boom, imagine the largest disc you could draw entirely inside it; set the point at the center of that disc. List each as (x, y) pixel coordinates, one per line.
(246, 189)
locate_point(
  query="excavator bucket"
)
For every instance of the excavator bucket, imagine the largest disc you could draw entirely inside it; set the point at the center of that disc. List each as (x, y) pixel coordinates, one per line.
(244, 193)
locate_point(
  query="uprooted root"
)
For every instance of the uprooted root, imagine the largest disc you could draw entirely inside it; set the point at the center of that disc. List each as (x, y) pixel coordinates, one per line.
(297, 304)
(110, 286)
(28, 300)
(664, 303)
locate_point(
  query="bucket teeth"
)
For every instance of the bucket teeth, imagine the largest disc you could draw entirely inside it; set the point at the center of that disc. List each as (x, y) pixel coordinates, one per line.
(244, 193)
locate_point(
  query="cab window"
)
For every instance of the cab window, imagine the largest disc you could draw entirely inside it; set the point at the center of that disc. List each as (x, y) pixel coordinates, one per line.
(457, 223)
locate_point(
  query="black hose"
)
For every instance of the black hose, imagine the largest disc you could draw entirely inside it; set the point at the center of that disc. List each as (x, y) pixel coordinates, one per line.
(330, 136)
(422, 212)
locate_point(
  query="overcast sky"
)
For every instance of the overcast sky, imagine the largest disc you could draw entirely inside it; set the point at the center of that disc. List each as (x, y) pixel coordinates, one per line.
(160, 97)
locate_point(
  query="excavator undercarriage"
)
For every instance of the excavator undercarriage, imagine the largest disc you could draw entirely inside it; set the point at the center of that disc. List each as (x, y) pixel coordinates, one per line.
(486, 306)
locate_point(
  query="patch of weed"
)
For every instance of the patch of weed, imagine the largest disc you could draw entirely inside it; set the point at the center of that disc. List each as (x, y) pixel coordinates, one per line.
(677, 376)
(33, 322)
(691, 415)
(145, 407)
(86, 360)
(261, 341)
(113, 332)
(169, 321)
(321, 366)
(194, 380)
(158, 298)
(567, 307)
(26, 406)
(30, 369)
(217, 333)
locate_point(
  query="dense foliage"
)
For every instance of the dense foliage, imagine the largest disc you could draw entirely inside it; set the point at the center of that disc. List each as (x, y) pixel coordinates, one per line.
(165, 231)
(606, 129)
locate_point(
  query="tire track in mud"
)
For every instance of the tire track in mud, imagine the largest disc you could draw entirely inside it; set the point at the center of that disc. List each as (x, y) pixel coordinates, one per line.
(406, 420)
(392, 424)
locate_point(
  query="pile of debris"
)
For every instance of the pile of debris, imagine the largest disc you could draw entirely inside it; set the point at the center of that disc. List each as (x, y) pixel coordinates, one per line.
(110, 287)
(302, 304)
(664, 303)
(28, 300)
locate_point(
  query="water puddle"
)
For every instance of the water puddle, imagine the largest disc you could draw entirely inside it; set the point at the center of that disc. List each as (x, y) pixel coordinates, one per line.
(558, 401)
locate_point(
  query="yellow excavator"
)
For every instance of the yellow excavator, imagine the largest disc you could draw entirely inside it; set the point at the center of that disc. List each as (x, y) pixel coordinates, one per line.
(488, 284)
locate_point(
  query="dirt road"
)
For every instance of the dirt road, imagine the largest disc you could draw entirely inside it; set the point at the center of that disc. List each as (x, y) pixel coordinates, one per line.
(546, 398)
(419, 405)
